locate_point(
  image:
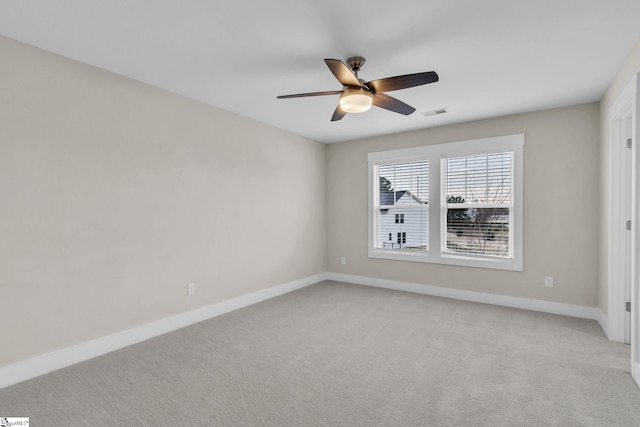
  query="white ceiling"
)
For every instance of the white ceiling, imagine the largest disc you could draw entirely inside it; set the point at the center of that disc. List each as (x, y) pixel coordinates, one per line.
(494, 57)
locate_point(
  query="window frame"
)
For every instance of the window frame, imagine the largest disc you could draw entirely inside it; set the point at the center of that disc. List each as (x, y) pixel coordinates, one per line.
(434, 155)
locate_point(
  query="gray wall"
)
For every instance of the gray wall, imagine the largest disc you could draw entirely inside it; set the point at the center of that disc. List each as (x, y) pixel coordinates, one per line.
(560, 207)
(115, 194)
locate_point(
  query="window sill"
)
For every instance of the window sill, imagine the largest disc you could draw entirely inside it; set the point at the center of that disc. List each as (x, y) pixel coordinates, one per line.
(448, 259)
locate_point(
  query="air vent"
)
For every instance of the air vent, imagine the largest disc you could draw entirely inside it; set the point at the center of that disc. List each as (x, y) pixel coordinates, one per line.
(434, 112)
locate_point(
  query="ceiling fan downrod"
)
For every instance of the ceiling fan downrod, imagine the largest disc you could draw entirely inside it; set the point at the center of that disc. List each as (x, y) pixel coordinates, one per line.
(356, 63)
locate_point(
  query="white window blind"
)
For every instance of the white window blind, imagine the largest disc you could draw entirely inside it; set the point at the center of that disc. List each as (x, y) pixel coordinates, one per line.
(401, 214)
(477, 205)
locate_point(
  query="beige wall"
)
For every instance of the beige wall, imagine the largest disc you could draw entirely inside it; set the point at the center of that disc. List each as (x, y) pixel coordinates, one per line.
(115, 194)
(560, 207)
(627, 71)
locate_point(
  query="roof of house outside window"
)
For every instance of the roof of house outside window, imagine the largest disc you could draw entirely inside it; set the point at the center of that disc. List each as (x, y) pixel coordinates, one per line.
(387, 197)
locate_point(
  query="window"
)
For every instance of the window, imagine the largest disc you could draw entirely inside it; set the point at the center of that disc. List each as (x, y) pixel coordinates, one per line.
(403, 206)
(402, 238)
(478, 206)
(457, 203)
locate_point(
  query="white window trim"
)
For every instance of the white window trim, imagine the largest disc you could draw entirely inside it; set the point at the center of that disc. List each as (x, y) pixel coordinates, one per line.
(434, 154)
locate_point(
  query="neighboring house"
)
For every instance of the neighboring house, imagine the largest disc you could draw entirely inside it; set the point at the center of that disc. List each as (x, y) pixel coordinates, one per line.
(403, 221)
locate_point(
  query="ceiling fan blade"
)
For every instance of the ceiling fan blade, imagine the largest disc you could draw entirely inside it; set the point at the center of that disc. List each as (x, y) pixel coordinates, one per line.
(403, 82)
(342, 72)
(302, 95)
(338, 114)
(392, 104)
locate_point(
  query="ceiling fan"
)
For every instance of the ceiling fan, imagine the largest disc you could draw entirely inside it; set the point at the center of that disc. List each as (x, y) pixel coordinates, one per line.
(357, 95)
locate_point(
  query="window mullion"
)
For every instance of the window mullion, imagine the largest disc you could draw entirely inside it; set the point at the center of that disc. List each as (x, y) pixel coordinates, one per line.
(434, 208)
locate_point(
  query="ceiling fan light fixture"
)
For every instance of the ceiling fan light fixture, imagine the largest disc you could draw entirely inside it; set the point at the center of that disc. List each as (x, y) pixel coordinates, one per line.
(356, 100)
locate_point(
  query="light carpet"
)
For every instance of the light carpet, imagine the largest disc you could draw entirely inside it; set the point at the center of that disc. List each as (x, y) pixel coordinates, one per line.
(334, 354)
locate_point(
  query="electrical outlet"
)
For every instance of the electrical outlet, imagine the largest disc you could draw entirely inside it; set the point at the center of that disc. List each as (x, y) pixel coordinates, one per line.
(191, 289)
(548, 281)
(343, 260)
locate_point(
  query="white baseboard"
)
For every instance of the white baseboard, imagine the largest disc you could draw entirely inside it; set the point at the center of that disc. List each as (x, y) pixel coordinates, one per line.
(40, 365)
(580, 311)
(603, 321)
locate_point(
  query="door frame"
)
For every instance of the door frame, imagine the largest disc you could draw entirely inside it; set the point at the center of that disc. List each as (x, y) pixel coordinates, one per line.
(626, 106)
(620, 189)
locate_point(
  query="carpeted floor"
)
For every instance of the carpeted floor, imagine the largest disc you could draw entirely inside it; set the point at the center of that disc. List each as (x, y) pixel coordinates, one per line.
(334, 354)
